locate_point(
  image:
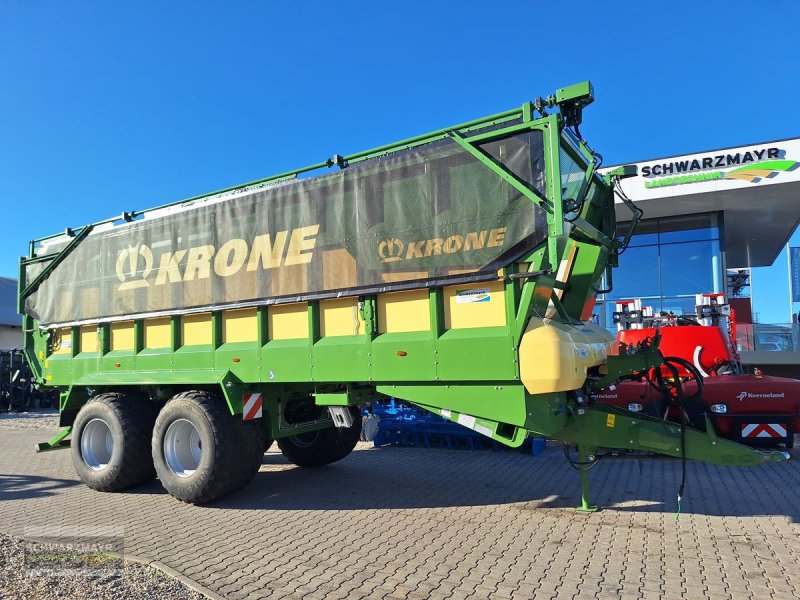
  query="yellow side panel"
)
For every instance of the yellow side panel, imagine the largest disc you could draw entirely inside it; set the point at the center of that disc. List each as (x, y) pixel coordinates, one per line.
(63, 341)
(157, 333)
(196, 329)
(288, 321)
(240, 325)
(404, 311)
(340, 317)
(122, 337)
(89, 338)
(475, 305)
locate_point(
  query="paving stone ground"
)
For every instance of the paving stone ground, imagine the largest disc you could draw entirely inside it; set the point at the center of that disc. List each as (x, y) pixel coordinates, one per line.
(405, 523)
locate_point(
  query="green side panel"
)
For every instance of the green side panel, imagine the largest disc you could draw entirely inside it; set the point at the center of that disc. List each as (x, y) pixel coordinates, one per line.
(152, 359)
(342, 358)
(229, 385)
(286, 361)
(390, 364)
(241, 358)
(478, 354)
(59, 368)
(200, 377)
(119, 360)
(83, 363)
(193, 357)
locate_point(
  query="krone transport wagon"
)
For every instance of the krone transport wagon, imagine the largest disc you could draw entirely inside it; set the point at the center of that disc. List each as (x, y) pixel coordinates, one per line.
(455, 270)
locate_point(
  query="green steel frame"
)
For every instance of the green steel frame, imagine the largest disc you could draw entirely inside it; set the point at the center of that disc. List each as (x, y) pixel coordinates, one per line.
(467, 375)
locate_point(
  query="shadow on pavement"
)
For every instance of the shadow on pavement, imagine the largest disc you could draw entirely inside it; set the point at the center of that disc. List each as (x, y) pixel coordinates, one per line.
(398, 478)
(21, 487)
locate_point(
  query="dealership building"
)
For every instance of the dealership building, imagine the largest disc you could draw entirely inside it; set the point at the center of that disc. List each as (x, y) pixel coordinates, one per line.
(710, 219)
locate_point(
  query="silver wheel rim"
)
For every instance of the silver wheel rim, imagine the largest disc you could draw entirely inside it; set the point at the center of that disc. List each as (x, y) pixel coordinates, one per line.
(182, 448)
(97, 444)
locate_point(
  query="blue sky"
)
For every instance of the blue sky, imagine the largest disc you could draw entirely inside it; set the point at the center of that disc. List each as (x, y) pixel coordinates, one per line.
(107, 107)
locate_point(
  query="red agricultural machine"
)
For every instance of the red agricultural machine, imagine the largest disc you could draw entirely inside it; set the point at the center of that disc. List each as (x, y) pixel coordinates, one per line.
(702, 383)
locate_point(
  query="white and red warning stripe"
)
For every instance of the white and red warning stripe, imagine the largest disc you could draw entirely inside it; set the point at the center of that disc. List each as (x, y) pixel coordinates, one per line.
(764, 430)
(252, 406)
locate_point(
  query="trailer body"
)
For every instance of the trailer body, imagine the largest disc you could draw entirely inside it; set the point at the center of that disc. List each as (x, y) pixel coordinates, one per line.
(455, 270)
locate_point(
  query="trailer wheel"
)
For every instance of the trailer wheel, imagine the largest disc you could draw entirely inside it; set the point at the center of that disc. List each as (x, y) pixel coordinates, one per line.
(259, 442)
(110, 441)
(200, 451)
(324, 446)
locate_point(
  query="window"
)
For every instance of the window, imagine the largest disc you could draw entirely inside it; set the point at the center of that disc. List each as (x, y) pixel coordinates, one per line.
(572, 175)
(668, 261)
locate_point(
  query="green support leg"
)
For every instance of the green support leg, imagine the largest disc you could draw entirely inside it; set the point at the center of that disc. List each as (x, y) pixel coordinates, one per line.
(583, 459)
(56, 442)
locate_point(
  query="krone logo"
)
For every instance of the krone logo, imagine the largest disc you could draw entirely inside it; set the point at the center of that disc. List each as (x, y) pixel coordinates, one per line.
(391, 250)
(128, 267)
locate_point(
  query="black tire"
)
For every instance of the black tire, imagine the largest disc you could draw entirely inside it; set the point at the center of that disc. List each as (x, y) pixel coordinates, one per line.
(324, 446)
(229, 448)
(128, 423)
(258, 440)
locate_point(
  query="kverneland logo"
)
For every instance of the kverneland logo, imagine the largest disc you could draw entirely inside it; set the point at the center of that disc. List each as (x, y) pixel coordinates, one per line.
(394, 249)
(136, 265)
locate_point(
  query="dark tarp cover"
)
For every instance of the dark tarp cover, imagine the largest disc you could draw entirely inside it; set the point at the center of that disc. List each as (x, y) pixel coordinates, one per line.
(413, 218)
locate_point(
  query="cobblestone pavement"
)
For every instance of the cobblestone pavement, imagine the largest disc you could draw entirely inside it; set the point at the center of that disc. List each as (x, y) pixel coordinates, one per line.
(406, 523)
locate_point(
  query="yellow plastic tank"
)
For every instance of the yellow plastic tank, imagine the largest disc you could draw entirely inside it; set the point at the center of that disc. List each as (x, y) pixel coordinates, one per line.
(555, 357)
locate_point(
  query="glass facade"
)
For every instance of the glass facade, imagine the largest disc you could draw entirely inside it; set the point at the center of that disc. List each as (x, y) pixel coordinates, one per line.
(669, 260)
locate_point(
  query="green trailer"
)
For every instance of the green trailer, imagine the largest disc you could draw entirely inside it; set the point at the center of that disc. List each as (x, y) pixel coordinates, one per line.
(455, 270)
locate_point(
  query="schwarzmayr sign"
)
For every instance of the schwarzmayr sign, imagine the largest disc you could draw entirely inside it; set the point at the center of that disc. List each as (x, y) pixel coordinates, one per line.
(756, 165)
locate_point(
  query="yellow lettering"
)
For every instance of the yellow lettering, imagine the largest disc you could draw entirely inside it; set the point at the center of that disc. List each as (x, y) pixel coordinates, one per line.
(496, 237)
(475, 240)
(414, 250)
(265, 253)
(230, 258)
(433, 246)
(169, 267)
(198, 263)
(453, 244)
(302, 239)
